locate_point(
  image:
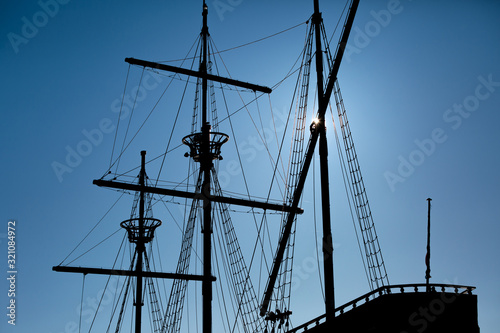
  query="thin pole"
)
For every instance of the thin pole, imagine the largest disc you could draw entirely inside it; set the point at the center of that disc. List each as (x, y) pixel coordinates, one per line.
(325, 190)
(307, 162)
(140, 247)
(428, 255)
(206, 166)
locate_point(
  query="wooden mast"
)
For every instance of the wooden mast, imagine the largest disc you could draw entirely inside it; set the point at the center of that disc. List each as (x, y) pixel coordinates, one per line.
(205, 159)
(140, 248)
(323, 157)
(308, 158)
(206, 166)
(206, 162)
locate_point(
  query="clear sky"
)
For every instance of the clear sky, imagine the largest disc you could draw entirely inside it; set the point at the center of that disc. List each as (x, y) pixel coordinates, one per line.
(420, 80)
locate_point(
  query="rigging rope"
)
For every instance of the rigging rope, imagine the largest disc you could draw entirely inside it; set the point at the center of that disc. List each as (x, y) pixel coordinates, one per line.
(125, 291)
(91, 230)
(338, 22)
(186, 58)
(259, 228)
(105, 239)
(246, 44)
(125, 173)
(214, 118)
(316, 230)
(240, 274)
(173, 313)
(155, 306)
(374, 259)
(142, 125)
(376, 267)
(284, 279)
(130, 118)
(343, 168)
(154, 107)
(244, 180)
(119, 118)
(291, 72)
(175, 122)
(261, 136)
(161, 270)
(279, 157)
(226, 320)
(81, 304)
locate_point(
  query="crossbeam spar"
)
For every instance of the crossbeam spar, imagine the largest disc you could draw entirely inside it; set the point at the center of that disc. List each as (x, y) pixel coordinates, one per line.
(191, 195)
(104, 271)
(199, 74)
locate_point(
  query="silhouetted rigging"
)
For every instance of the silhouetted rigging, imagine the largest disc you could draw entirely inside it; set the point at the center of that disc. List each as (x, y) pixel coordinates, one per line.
(209, 209)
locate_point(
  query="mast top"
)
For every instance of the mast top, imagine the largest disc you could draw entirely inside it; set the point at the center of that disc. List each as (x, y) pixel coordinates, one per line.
(204, 30)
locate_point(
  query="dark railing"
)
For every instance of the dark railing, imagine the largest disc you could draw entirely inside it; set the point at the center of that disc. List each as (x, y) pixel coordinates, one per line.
(401, 288)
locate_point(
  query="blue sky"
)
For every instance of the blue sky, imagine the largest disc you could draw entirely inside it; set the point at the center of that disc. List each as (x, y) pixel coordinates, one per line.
(421, 85)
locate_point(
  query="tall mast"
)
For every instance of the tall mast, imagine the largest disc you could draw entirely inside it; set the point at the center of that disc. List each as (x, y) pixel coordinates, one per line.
(323, 157)
(140, 231)
(140, 248)
(204, 148)
(324, 99)
(206, 166)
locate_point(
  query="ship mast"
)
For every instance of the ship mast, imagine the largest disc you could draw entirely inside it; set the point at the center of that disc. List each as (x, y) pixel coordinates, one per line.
(140, 248)
(327, 248)
(206, 165)
(140, 231)
(204, 148)
(317, 128)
